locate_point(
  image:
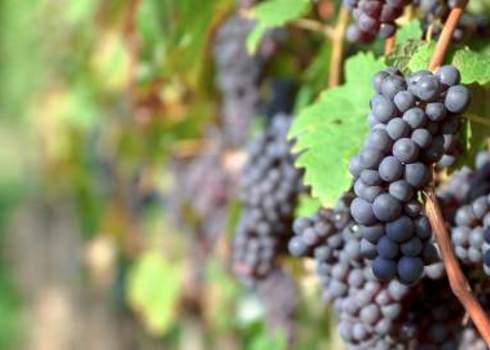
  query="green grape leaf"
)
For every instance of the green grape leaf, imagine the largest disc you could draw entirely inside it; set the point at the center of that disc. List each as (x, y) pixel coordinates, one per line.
(274, 13)
(474, 66)
(307, 206)
(421, 57)
(331, 130)
(153, 291)
(410, 31)
(401, 55)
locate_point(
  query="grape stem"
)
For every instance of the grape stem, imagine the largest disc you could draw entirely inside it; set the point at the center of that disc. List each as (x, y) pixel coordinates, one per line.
(477, 119)
(314, 26)
(457, 280)
(390, 44)
(335, 71)
(446, 36)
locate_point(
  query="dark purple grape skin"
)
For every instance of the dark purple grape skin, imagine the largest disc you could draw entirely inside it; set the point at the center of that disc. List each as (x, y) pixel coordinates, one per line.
(404, 100)
(457, 99)
(435, 111)
(412, 247)
(410, 269)
(417, 174)
(400, 230)
(372, 233)
(415, 117)
(401, 190)
(397, 128)
(422, 137)
(405, 150)
(379, 139)
(384, 269)
(448, 75)
(386, 248)
(362, 212)
(390, 169)
(386, 207)
(422, 228)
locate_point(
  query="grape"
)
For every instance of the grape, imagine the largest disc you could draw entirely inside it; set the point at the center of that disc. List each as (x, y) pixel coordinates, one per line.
(390, 169)
(409, 269)
(382, 108)
(435, 111)
(391, 85)
(404, 100)
(384, 269)
(379, 139)
(362, 212)
(401, 190)
(448, 75)
(427, 88)
(405, 150)
(400, 229)
(415, 117)
(370, 158)
(386, 248)
(417, 174)
(372, 233)
(421, 137)
(370, 177)
(412, 247)
(385, 208)
(457, 99)
(397, 128)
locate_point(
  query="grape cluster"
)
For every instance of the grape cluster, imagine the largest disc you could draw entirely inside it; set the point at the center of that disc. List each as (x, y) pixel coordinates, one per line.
(466, 199)
(435, 13)
(373, 314)
(238, 75)
(413, 123)
(279, 296)
(373, 17)
(270, 186)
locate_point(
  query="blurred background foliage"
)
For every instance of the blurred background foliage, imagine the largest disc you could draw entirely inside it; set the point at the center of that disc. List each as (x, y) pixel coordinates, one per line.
(97, 99)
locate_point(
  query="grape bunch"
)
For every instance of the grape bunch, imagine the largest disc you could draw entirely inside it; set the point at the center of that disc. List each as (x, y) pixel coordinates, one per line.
(413, 123)
(373, 17)
(435, 13)
(466, 197)
(270, 186)
(373, 314)
(238, 75)
(279, 296)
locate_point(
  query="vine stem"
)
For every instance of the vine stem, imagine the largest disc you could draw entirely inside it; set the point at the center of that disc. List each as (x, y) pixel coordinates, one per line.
(477, 119)
(390, 44)
(446, 36)
(335, 71)
(457, 280)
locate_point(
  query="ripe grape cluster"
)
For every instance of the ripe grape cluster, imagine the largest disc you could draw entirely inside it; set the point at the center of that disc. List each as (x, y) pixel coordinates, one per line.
(373, 314)
(413, 123)
(270, 186)
(467, 197)
(279, 295)
(238, 75)
(373, 17)
(435, 13)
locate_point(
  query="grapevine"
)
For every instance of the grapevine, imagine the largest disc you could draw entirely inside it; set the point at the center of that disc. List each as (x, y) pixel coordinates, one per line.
(246, 174)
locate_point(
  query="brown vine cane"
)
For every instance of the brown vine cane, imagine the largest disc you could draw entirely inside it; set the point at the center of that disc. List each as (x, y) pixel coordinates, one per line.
(457, 280)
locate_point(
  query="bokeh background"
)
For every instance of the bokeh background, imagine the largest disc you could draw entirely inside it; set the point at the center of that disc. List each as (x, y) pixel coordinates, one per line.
(115, 210)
